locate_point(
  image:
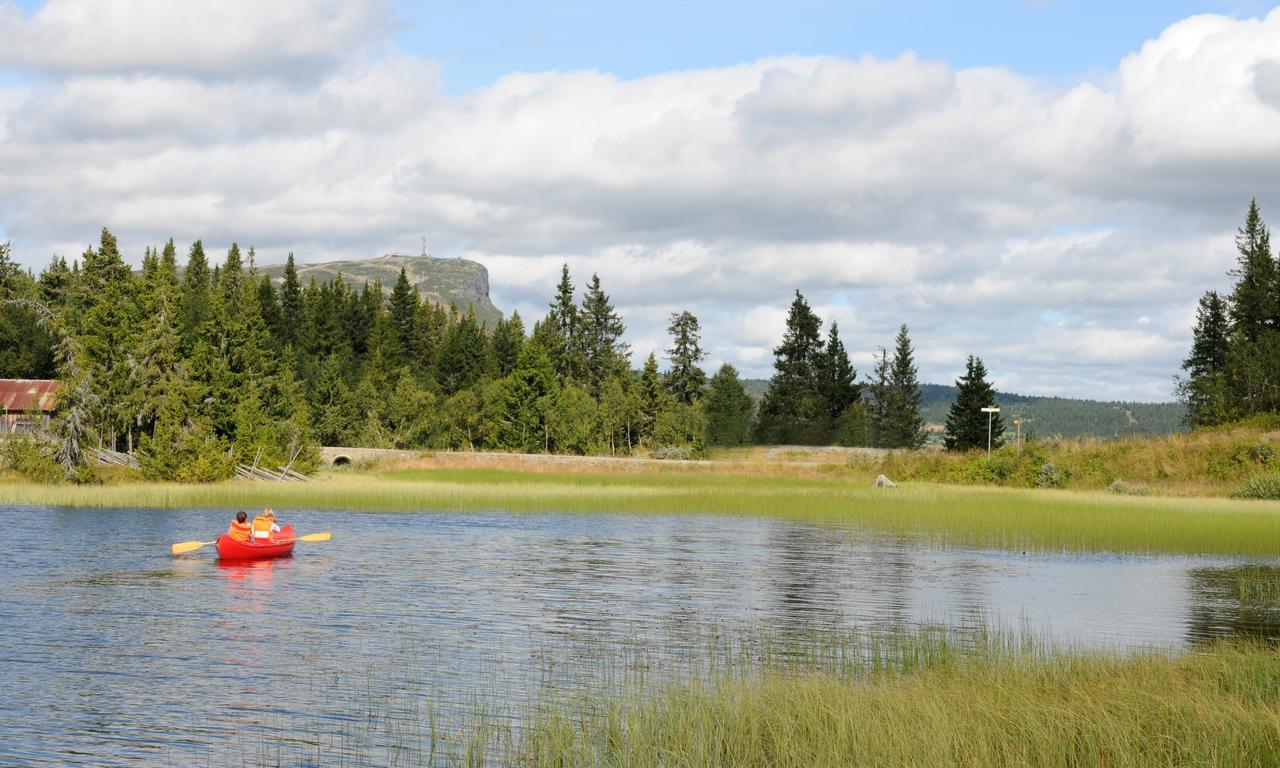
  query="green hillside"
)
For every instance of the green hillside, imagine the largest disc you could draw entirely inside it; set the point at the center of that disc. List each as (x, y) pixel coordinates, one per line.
(443, 281)
(1051, 416)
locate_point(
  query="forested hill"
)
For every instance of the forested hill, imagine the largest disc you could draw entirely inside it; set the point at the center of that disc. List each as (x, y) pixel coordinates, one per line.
(1049, 416)
(444, 281)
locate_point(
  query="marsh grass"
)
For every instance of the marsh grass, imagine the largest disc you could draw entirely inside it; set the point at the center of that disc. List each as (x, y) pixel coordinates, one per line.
(844, 698)
(1008, 519)
(988, 709)
(1013, 519)
(1257, 585)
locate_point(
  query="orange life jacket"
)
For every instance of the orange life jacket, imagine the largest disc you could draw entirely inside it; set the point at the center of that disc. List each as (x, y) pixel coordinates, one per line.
(240, 531)
(262, 527)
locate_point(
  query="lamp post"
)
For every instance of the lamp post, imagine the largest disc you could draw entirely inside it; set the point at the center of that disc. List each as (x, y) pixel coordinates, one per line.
(991, 412)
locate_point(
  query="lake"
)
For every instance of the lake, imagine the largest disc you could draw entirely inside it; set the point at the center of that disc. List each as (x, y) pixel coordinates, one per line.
(112, 652)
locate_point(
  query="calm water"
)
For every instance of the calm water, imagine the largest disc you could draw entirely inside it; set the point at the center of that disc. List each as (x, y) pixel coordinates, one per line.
(114, 653)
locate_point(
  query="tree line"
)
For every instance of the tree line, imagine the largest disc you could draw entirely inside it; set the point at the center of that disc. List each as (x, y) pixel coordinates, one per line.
(195, 369)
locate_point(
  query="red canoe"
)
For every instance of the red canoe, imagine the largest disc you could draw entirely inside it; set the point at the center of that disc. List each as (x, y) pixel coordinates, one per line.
(230, 549)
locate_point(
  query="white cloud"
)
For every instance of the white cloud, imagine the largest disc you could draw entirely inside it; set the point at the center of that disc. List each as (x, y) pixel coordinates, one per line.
(996, 214)
(200, 37)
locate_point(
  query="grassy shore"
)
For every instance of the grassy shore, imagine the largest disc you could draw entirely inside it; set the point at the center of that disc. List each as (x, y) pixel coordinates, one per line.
(1215, 708)
(1014, 519)
(928, 697)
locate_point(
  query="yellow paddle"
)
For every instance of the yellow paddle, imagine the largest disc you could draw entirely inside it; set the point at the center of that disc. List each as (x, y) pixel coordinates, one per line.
(322, 536)
(191, 546)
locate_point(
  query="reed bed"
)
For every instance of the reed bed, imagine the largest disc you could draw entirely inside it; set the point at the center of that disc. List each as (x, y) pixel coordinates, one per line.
(1217, 708)
(998, 518)
(1256, 585)
(928, 696)
(1013, 519)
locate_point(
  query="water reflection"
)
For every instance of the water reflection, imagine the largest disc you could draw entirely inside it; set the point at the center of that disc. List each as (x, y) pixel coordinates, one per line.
(1235, 601)
(112, 652)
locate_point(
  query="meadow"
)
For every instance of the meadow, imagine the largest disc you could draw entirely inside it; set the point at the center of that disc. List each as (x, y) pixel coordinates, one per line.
(1008, 518)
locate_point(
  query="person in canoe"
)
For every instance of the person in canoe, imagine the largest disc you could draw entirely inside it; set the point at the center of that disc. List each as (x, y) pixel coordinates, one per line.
(264, 527)
(240, 529)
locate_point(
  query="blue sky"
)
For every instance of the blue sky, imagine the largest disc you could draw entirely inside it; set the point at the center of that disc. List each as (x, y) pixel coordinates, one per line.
(478, 41)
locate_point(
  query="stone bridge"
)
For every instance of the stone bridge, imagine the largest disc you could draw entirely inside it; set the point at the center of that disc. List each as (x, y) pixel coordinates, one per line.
(339, 456)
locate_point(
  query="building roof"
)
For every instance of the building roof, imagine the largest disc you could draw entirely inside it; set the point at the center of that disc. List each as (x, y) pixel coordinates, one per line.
(18, 395)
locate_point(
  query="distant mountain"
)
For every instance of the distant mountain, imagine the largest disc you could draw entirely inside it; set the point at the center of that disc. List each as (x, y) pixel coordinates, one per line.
(443, 281)
(1049, 416)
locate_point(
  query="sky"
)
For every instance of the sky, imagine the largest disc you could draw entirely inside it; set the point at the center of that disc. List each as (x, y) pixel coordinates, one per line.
(1049, 185)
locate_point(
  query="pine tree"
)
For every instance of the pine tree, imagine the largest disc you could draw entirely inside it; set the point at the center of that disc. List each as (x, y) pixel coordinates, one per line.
(269, 309)
(685, 380)
(404, 311)
(881, 394)
(967, 425)
(599, 337)
(1205, 390)
(508, 339)
(291, 314)
(1254, 300)
(195, 291)
(337, 416)
(653, 396)
(560, 335)
(156, 370)
(899, 423)
(729, 409)
(107, 328)
(55, 282)
(463, 357)
(836, 378)
(793, 409)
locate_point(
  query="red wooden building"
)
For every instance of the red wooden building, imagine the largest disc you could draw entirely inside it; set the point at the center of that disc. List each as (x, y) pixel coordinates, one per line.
(25, 404)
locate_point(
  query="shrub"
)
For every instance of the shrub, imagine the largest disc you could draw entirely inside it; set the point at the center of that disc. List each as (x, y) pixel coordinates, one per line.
(678, 452)
(1259, 487)
(33, 459)
(1049, 476)
(1128, 489)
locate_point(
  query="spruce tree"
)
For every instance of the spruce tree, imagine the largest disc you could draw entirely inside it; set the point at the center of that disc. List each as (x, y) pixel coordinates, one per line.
(1205, 390)
(107, 331)
(269, 309)
(55, 281)
(560, 334)
(653, 396)
(685, 380)
(463, 357)
(599, 337)
(903, 425)
(837, 380)
(195, 291)
(508, 340)
(1254, 299)
(729, 409)
(404, 312)
(291, 314)
(881, 395)
(966, 423)
(793, 408)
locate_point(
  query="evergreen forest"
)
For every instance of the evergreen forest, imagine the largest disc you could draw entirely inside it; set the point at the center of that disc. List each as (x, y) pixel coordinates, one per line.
(194, 364)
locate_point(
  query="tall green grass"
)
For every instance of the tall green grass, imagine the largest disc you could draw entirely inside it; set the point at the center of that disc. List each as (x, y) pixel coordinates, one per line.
(1001, 518)
(847, 698)
(1220, 708)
